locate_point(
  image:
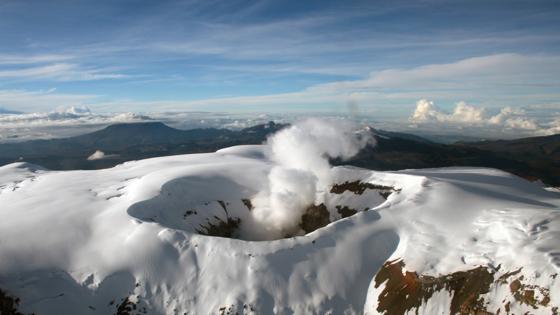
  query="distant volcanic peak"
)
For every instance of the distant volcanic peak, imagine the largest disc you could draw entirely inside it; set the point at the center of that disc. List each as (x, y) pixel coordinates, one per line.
(139, 125)
(136, 129)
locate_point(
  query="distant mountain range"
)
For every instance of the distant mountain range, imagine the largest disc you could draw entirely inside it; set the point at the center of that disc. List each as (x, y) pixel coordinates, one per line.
(531, 158)
(125, 142)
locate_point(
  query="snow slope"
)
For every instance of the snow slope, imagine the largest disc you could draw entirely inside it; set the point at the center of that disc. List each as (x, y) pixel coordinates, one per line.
(89, 242)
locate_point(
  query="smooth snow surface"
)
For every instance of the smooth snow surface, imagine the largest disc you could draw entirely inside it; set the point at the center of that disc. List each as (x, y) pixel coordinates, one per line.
(79, 242)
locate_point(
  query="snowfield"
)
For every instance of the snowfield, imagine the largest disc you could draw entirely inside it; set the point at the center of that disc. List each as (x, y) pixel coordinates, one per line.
(133, 237)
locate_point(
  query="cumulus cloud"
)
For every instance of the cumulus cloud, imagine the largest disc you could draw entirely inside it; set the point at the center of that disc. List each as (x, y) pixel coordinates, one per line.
(553, 127)
(426, 111)
(514, 119)
(301, 169)
(464, 114)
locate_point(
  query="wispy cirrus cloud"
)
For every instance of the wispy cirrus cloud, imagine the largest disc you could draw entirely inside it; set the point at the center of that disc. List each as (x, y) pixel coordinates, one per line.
(59, 72)
(273, 52)
(497, 80)
(495, 70)
(11, 59)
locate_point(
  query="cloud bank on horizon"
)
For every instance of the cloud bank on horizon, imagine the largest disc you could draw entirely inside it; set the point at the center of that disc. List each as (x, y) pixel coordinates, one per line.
(275, 57)
(465, 116)
(427, 119)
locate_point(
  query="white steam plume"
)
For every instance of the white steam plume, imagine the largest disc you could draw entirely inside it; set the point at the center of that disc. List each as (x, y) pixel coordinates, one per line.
(302, 170)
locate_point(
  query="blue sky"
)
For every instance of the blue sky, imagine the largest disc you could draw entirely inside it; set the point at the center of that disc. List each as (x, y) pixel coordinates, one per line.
(279, 56)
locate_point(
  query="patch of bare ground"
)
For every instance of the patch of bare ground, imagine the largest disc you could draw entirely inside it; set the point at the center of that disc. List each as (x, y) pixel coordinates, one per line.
(406, 291)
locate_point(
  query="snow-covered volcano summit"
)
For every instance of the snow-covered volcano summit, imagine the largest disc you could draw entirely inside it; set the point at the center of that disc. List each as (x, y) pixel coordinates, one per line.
(140, 238)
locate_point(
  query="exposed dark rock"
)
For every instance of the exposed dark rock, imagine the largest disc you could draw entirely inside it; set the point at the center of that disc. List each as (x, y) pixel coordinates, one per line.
(406, 291)
(236, 309)
(358, 188)
(248, 204)
(188, 213)
(221, 228)
(314, 217)
(126, 307)
(525, 293)
(223, 205)
(345, 211)
(9, 304)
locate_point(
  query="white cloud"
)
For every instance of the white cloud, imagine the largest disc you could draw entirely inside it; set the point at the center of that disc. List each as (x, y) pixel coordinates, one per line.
(553, 127)
(31, 59)
(514, 119)
(478, 72)
(54, 67)
(73, 115)
(490, 78)
(63, 122)
(465, 115)
(60, 72)
(426, 111)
